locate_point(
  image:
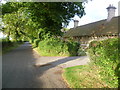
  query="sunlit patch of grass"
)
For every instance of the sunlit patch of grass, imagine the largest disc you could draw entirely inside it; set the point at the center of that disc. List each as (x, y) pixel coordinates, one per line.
(83, 77)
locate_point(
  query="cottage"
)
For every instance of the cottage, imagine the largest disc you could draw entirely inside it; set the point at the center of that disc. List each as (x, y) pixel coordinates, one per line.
(107, 28)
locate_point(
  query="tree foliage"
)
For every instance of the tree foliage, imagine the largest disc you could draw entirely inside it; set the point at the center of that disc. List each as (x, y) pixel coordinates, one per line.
(30, 18)
(18, 25)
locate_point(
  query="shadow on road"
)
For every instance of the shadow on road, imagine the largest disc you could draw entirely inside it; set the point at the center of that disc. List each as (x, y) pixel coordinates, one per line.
(18, 70)
(53, 73)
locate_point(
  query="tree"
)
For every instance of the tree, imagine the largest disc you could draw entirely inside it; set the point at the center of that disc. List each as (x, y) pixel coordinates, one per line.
(52, 15)
(18, 25)
(27, 18)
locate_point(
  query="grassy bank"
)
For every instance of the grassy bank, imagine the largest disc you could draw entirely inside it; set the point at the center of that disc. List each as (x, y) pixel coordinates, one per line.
(84, 77)
(102, 72)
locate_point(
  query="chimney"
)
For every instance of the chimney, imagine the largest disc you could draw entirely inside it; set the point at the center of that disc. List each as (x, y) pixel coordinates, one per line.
(111, 12)
(76, 23)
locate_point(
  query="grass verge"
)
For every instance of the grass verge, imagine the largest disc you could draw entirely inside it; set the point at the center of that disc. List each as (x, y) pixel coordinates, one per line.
(84, 76)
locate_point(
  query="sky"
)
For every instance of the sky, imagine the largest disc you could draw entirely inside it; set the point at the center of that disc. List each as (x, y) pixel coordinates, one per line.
(95, 10)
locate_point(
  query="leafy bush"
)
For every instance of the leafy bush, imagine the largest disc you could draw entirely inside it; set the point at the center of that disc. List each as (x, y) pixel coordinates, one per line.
(31, 41)
(36, 41)
(81, 52)
(56, 47)
(105, 54)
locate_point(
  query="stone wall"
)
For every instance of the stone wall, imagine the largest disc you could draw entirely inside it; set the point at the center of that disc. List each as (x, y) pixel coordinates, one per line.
(84, 41)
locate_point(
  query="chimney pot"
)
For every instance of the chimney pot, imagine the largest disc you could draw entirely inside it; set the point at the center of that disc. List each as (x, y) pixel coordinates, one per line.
(76, 23)
(111, 12)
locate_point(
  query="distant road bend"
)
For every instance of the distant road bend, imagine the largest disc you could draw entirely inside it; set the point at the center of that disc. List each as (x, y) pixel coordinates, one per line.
(24, 68)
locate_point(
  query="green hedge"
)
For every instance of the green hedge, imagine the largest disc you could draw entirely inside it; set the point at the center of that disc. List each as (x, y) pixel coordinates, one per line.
(31, 41)
(36, 42)
(57, 47)
(106, 55)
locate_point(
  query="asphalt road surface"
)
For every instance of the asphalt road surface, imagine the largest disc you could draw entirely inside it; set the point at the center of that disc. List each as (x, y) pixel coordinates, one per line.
(24, 68)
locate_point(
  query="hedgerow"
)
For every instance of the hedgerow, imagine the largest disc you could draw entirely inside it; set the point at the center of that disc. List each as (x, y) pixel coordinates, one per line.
(57, 47)
(36, 42)
(106, 55)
